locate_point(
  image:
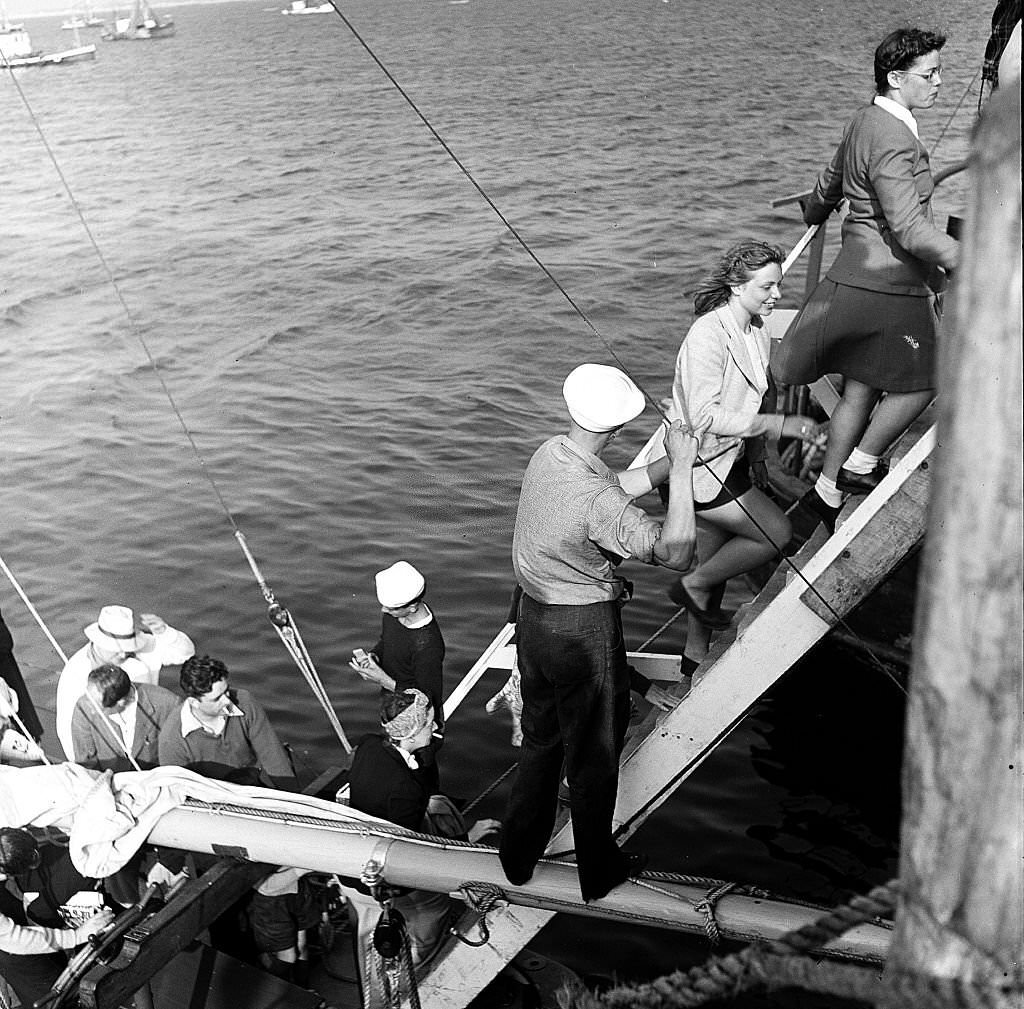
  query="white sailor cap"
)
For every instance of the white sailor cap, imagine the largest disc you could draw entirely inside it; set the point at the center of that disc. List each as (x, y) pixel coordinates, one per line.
(601, 398)
(399, 585)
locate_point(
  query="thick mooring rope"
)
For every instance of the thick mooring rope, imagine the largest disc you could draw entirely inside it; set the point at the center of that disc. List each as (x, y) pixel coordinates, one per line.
(780, 963)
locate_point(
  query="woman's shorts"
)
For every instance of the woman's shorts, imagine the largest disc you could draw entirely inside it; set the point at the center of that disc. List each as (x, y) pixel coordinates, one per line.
(737, 483)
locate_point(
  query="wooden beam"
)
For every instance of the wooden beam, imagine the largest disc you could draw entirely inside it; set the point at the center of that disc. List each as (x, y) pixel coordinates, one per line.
(152, 944)
(962, 836)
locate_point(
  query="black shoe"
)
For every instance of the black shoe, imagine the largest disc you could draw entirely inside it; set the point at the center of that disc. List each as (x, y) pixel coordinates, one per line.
(716, 620)
(687, 666)
(828, 515)
(861, 483)
(635, 863)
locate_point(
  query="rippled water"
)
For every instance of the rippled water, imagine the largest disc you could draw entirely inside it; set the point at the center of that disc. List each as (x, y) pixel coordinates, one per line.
(365, 358)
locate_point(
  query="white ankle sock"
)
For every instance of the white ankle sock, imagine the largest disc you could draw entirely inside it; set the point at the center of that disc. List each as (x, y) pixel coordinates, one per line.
(860, 462)
(828, 491)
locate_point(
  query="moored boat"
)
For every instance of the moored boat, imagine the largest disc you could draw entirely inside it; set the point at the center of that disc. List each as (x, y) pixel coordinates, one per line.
(16, 50)
(302, 7)
(143, 23)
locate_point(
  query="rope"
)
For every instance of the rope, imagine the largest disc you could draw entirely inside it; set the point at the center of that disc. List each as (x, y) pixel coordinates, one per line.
(490, 788)
(112, 729)
(35, 613)
(773, 964)
(287, 631)
(481, 898)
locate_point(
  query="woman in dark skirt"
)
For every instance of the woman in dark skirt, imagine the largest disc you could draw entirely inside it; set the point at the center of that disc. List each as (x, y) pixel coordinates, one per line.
(873, 318)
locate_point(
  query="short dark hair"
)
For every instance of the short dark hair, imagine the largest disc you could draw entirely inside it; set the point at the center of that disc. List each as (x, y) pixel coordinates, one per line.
(111, 683)
(899, 49)
(18, 851)
(200, 673)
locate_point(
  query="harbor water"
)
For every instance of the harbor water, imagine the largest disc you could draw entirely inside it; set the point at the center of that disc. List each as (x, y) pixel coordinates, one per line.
(362, 358)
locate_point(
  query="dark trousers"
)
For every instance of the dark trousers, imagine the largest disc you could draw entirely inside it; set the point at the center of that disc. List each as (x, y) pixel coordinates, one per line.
(575, 684)
(31, 976)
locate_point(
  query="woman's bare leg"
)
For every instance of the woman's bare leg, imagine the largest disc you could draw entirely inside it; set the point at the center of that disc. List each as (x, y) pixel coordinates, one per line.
(896, 412)
(757, 531)
(847, 425)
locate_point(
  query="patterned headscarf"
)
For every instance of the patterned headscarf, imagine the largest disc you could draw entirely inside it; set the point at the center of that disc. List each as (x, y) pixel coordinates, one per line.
(410, 720)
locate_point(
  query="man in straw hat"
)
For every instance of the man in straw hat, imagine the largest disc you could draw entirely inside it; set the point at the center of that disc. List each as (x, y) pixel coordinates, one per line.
(140, 648)
(576, 521)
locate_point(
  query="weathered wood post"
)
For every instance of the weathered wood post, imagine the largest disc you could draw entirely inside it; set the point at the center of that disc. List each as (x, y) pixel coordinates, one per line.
(961, 866)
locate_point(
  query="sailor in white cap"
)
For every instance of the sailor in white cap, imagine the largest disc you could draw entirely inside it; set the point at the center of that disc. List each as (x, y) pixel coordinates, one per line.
(410, 651)
(576, 521)
(141, 648)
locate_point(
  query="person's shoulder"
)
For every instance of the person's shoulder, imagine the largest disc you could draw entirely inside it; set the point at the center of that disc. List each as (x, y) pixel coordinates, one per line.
(158, 696)
(872, 122)
(706, 330)
(244, 697)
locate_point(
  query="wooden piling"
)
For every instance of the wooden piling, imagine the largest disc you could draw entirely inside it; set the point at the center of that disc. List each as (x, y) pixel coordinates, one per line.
(962, 849)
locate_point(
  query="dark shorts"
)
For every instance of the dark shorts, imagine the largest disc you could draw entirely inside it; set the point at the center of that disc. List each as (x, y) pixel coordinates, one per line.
(737, 483)
(276, 921)
(885, 341)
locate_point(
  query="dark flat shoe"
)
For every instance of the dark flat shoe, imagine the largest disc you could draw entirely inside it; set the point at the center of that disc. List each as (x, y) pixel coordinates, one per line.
(813, 503)
(861, 483)
(635, 863)
(717, 620)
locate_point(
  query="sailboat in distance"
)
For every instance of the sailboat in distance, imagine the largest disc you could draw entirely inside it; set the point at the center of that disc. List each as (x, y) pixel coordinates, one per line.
(142, 23)
(81, 19)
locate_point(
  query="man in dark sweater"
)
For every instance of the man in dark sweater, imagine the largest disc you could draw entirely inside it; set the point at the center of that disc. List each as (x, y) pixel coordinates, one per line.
(410, 651)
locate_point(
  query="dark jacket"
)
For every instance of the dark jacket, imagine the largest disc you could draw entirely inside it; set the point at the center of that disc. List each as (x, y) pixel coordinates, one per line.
(93, 740)
(382, 784)
(890, 241)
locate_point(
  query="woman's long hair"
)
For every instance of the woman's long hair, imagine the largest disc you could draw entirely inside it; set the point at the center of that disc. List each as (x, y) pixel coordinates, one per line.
(736, 267)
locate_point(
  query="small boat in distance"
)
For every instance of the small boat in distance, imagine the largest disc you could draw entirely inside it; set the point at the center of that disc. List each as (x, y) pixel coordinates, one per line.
(301, 7)
(83, 19)
(142, 23)
(16, 48)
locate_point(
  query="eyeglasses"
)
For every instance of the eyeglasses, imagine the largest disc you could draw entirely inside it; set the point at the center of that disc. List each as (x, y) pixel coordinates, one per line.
(933, 76)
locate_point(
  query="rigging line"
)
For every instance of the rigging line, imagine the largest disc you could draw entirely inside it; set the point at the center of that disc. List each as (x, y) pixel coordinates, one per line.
(35, 613)
(797, 250)
(204, 469)
(112, 280)
(490, 202)
(952, 114)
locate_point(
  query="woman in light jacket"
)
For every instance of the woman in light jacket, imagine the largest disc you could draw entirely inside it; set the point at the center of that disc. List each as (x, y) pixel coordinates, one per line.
(721, 378)
(873, 318)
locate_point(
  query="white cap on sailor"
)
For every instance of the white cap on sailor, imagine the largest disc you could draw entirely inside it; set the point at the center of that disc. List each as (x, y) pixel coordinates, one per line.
(399, 585)
(601, 398)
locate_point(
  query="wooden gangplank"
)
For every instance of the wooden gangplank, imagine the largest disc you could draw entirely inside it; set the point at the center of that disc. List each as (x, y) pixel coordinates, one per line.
(789, 617)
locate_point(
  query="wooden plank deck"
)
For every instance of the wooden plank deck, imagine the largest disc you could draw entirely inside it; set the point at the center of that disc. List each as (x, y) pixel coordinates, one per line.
(788, 617)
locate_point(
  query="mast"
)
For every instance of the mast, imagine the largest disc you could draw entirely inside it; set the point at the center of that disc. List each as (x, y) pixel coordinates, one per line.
(962, 846)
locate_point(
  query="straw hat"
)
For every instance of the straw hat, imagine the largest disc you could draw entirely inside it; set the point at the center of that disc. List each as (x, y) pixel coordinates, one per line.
(115, 630)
